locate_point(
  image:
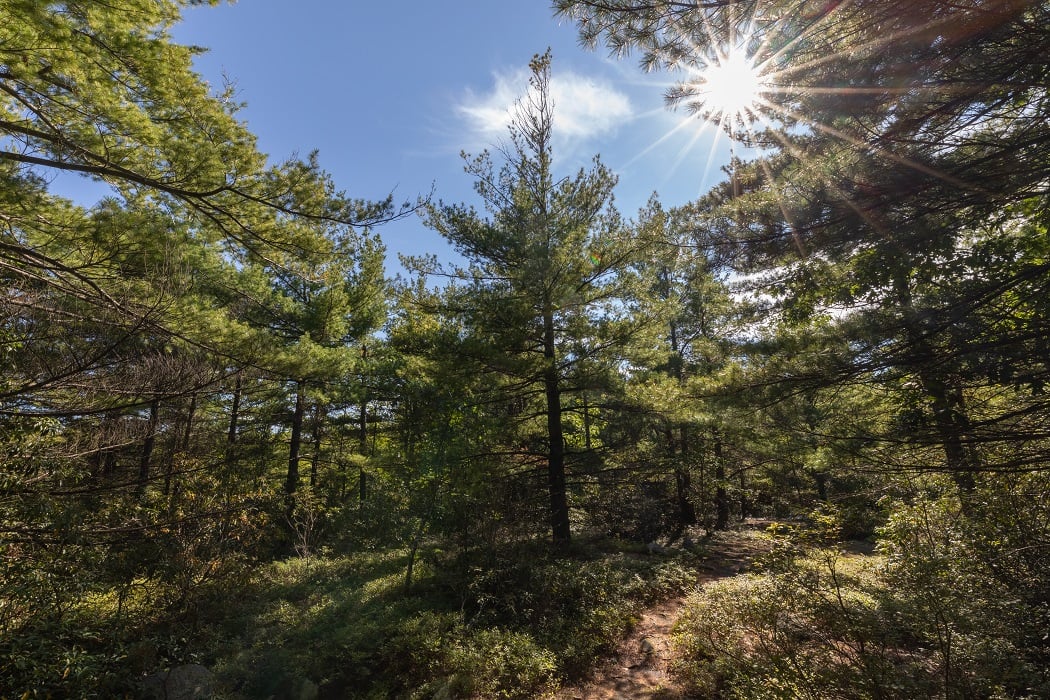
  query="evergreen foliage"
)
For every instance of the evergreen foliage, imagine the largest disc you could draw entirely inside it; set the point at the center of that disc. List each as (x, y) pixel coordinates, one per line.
(226, 438)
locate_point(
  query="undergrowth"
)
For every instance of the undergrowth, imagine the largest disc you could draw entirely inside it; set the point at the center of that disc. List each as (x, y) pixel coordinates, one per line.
(512, 623)
(935, 614)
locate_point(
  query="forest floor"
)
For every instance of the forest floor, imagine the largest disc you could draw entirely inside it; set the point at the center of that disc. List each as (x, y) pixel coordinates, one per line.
(641, 666)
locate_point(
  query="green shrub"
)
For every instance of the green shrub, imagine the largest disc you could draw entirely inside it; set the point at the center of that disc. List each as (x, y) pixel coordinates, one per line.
(954, 608)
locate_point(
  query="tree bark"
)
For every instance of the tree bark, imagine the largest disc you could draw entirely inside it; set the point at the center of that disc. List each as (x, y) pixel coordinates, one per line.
(292, 482)
(682, 479)
(180, 444)
(949, 412)
(231, 434)
(586, 424)
(559, 504)
(148, 444)
(745, 505)
(316, 429)
(721, 496)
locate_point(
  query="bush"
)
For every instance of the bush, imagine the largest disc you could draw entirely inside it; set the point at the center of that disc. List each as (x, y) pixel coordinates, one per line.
(949, 611)
(813, 628)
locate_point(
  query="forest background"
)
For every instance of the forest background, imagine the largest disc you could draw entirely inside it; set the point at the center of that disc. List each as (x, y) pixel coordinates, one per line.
(230, 438)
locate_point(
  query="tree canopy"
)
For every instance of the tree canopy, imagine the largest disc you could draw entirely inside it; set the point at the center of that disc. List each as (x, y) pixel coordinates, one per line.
(228, 440)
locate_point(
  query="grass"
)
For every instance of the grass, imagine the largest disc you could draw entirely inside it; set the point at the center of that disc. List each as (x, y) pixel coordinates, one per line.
(507, 624)
(512, 622)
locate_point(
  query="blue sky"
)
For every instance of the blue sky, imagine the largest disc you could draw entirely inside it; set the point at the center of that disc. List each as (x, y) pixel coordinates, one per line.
(391, 93)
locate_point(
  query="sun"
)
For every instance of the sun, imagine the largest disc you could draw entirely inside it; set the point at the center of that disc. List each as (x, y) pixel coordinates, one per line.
(728, 88)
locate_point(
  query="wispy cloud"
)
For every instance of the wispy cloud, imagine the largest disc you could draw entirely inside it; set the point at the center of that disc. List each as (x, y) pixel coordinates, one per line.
(584, 108)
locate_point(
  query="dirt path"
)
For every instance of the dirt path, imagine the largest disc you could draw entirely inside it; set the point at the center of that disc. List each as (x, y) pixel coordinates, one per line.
(640, 667)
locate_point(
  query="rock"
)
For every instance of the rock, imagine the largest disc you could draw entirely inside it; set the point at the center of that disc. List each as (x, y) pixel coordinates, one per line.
(186, 682)
(648, 646)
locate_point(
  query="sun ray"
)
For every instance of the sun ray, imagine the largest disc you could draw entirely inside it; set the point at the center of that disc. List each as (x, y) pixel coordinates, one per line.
(881, 41)
(683, 124)
(864, 215)
(739, 82)
(869, 146)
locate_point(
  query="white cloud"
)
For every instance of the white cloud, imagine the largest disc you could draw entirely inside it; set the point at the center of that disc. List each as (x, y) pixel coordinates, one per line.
(584, 108)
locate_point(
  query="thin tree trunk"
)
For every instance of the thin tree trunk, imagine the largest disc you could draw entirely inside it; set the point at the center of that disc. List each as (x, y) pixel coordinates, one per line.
(586, 424)
(683, 480)
(180, 445)
(362, 435)
(191, 413)
(231, 434)
(745, 506)
(148, 443)
(421, 528)
(362, 426)
(721, 496)
(559, 504)
(292, 482)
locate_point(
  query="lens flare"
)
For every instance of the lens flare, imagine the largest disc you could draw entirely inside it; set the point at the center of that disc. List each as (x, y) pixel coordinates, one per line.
(728, 88)
(731, 86)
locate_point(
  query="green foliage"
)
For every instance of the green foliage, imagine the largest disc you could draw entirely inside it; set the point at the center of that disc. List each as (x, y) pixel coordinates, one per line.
(505, 630)
(544, 305)
(927, 618)
(862, 308)
(810, 629)
(578, 607)
(970, 591)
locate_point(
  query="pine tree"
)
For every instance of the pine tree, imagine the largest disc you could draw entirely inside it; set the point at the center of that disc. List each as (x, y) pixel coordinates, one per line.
(539, 300)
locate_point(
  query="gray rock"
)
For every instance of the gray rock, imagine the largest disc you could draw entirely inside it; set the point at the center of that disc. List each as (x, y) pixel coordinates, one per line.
(648, 646)
(186, 682)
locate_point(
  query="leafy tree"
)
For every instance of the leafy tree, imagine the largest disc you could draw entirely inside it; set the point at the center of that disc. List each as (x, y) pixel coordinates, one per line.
(121, 324)
(678, 381)
(894, 231)
(539, 301)
(889, 197)
(320, 291)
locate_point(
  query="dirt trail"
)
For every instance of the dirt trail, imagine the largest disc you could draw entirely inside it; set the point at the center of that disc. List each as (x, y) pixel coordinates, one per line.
(639, 669)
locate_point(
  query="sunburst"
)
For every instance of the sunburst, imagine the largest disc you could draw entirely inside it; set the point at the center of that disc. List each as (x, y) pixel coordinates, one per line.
(728, 88)
(743, 78)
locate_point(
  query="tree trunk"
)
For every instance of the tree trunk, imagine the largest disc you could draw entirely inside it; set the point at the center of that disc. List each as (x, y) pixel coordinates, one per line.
(682, 479)
(949, 413)
(180, 444)
(148, 443)
(191, 413)
(586, 424)
(559, 504)
(822, 485)
(362, 424)
(721, 496)
(292, 482)
(953, 426)
(231, 434)
(745, 506)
